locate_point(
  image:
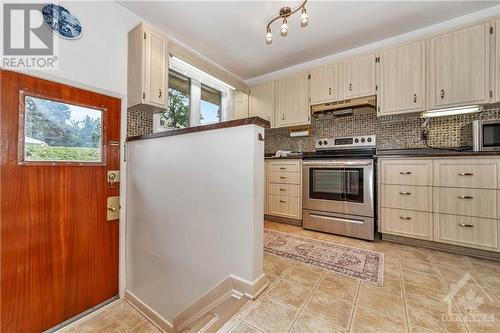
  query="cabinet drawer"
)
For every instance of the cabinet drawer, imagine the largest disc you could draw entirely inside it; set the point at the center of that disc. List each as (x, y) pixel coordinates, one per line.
(283, 177)
(406, 172)
(406, 197)
(406, 223)
(293, 166)
(280, 205)
(466, 173)
(289, 190)
(466, 201)
(466, 231)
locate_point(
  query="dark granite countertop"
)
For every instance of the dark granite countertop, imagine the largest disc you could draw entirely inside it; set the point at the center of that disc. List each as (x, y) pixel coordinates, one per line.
(429, 152)
(417, 152)
(225, 124)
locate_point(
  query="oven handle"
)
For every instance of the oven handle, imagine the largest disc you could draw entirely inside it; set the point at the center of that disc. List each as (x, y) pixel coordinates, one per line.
(339, 163)
(336, 219)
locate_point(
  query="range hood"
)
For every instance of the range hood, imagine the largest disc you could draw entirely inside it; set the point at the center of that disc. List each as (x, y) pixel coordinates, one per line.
(347, 107)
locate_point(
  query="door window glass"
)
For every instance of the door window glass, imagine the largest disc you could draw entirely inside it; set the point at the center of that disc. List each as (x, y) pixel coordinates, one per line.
(57, 131)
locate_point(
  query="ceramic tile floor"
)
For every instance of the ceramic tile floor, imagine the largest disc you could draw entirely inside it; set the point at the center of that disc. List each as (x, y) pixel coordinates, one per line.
(303, 298)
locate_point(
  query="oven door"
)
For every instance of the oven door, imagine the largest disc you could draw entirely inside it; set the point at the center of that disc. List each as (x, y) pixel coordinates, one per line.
(340, 186)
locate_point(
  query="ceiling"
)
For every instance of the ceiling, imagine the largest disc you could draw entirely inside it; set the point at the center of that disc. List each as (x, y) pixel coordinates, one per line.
(231, 33)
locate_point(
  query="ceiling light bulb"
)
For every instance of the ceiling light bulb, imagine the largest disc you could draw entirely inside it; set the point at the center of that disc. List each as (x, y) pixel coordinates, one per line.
(269, 37)
(284, 28)
(304, 18)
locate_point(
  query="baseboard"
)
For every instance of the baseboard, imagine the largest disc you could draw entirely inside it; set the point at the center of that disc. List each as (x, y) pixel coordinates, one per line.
(152, 315)
(283, 220)
(443, 247)
(230, 286)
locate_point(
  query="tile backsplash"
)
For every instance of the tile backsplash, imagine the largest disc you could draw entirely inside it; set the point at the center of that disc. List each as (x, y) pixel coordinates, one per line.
(139, 122)
(393, 132)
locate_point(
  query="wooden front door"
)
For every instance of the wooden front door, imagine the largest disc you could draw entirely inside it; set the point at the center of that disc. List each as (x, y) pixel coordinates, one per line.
(59, 253)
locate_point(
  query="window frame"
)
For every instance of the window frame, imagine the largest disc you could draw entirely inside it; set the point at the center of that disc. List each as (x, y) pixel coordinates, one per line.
(157, 120)
(22, 130)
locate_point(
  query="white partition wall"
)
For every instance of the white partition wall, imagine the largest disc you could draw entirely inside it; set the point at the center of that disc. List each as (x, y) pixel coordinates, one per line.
(194, 215)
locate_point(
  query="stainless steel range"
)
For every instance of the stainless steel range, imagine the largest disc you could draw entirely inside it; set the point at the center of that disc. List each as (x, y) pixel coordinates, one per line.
(338, 187)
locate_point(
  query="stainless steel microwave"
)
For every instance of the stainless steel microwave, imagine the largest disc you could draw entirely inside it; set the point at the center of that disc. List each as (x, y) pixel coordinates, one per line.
(486, 135)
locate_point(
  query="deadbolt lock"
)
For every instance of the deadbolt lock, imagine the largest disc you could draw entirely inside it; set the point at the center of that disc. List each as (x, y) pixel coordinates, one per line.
(113, 211)
(113, 176)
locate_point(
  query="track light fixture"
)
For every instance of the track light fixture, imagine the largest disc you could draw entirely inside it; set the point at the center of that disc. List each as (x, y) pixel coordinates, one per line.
(284, 13)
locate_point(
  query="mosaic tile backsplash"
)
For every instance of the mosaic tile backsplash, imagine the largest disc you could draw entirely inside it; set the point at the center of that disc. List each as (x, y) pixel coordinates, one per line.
(139, 122)
(393, 132)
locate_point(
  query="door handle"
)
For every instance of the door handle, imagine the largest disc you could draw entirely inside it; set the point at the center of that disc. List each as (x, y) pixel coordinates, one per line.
(414, 98)
(463, 225)
(405, 173)
(405, 193)
(112, 209)
(465, 197)
(159, 93)
(350, 86)
(282, 177)
(338, 219)
(465, 174)
(442, 93)
(405, 218)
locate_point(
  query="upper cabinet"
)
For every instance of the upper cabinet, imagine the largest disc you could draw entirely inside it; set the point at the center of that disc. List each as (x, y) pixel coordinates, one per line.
(147, 69)
(261, 102)
(459, 67)
(292, 105)
(240, 105)
(359, 77)
(497, 61)
(402, 79)
(324, 84)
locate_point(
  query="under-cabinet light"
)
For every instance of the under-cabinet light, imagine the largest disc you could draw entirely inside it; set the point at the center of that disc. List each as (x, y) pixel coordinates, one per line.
(451, 111)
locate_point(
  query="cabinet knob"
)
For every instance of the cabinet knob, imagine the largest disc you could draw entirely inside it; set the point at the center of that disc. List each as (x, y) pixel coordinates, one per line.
(414, 98)
(350, 86)
(442, 93)
(159, 93)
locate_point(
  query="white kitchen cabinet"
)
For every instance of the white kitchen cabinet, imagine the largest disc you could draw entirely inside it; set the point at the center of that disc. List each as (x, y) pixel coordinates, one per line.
(147, 69)
(459, 68)
(261, 101)
(359, 77)
(402, 79)
(292, 105)
(240, 105)
(324, 84)
(284, 188)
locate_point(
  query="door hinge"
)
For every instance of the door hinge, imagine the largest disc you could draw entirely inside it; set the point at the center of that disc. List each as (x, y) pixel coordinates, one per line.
(491, 30)
(377, 59)
(144, 35)
(309, 76)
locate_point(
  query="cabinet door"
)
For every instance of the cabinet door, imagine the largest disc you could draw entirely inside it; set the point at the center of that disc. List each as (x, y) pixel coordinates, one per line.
(324, 84)
(497, 60)
(459, 67)
(402, 79)
(293, 101)
(156, 64)
(240, 105)
(359, 77)
(262, 101)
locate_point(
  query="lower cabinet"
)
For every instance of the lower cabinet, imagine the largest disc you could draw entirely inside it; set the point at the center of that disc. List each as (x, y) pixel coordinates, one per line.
(448, 200)
(284, 188)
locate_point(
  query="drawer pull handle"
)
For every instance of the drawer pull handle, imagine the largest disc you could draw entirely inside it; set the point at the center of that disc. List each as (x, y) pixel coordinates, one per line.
(405, 173)
(282, 201)
(404, 193)
(405, 218)
(463, 225)
(282, 177)
(283, 189)
(282, 168)
(465, 197)
(465, 174)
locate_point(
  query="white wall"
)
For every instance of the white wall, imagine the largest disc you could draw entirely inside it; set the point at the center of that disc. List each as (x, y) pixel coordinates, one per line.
(97, 62)
(194, 214)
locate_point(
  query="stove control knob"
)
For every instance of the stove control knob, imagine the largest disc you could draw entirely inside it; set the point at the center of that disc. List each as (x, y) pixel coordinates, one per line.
(325, 142)
(369, 139)
(320, 142)
(362, 140)
(356, 140)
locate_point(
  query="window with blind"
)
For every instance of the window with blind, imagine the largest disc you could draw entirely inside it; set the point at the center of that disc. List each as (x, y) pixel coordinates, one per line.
(194, 98)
